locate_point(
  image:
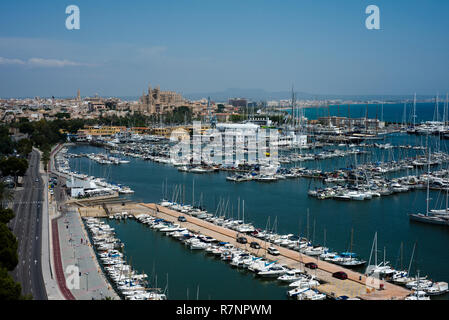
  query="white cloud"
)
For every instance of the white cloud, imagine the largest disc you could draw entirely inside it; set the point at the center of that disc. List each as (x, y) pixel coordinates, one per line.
(10, 61)
(40, 62)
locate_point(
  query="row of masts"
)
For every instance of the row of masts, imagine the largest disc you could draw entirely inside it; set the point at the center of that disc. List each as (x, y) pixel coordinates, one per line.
(436, 115)
(298, 112)
(374, 250)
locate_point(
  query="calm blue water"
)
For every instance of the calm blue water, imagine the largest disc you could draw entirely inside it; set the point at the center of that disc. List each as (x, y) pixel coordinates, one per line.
(285, 201)
(391, 112)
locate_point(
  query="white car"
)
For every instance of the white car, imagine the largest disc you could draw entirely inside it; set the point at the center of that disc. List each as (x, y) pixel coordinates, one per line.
(273, 251)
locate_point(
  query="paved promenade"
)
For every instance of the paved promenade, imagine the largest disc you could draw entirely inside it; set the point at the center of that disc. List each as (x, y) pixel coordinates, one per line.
(77, 251)
(71, 249)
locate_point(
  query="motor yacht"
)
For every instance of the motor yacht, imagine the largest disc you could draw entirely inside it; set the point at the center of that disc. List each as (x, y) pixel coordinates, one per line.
(273, 271)
(291, 276)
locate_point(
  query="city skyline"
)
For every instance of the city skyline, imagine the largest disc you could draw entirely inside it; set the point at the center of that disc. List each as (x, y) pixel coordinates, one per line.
(197, 46)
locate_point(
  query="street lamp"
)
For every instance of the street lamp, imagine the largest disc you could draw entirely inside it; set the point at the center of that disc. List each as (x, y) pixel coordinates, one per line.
(87, 281)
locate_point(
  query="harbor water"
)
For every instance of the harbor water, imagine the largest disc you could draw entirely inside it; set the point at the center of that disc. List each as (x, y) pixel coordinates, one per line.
(286, 202)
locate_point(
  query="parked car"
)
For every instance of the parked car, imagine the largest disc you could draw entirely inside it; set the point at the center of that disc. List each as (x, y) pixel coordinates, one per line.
(340, 275)
(311, 265)
(273, 251)
(242, 240)
(182, 219)
(254, 245)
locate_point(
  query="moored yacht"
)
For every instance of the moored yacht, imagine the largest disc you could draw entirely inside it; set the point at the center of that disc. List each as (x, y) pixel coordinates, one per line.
(291, 276)
(273, 271)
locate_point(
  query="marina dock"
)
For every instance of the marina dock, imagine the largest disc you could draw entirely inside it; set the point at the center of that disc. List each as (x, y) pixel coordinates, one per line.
(356, 286)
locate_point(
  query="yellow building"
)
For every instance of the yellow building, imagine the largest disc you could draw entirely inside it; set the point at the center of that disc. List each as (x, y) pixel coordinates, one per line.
(101, 131)
(140, 130)
(167, 131)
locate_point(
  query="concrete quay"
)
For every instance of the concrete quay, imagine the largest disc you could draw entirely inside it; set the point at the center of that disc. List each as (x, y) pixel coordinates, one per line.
(356, 286)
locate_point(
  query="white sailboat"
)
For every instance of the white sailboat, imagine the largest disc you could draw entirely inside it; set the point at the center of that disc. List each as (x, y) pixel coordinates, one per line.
(428, 218)
(378, 270)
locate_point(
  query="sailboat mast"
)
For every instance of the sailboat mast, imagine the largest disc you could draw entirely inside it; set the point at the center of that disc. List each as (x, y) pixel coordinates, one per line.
(308, 240)
(324, 244)
(428, 184)
(402, 255)
(373, 247)
(293, 109)
(414, 111)
(243, 204)
(238, 210)
(447, 110)
(352, 236)
(447, 195)
(436, 108)
(375, 250)
(404, 117)
(411, 259)
(382, 113)
(313, 234)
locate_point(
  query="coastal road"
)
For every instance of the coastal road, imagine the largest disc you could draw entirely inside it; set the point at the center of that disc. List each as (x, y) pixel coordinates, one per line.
(27, 226)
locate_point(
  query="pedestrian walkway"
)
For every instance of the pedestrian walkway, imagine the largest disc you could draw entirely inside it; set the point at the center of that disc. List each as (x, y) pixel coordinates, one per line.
(59, 268)
(76, 251)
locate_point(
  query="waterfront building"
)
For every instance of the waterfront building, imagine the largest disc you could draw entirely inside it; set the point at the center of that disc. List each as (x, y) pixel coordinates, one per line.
(100, 131)
(177, 130)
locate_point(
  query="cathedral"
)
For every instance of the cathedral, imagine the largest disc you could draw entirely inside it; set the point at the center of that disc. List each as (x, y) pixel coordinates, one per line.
(157, 101)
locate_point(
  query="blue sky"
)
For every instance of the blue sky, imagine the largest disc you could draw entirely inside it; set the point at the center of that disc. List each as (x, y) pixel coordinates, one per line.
(322, 47)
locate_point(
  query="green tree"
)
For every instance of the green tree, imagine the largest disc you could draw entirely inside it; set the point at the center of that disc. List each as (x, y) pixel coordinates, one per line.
(5, 194)
(8, 248)
(61, 115)
(24, 147)
(236, 118)
(13, 166)
(9, 289)
(6, 144)
(25, 126)
(6, 215)
(45, 157)
(179, 115)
